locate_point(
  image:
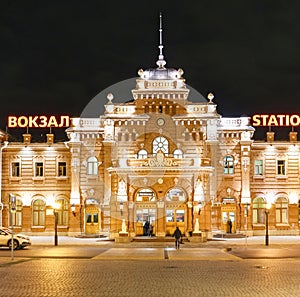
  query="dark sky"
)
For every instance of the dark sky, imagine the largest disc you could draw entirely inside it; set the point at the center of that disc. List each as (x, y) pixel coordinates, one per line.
(55, 56)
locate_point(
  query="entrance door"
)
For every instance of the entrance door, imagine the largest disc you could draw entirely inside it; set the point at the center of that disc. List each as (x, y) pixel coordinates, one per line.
(226, 216)
(91, 220)
(175, 218)
(142, 216)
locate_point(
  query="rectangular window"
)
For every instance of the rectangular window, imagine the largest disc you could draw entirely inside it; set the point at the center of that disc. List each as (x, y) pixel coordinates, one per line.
(281, 167)
(39, 169)
(15, 169)
(62, 169)
(228, 165)
(258, 167)
(180, 215)
(170, 216)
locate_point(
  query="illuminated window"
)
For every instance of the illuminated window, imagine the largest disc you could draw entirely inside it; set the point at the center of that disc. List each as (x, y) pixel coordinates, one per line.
(39, 169)
(142, 154)
(178, 154)
(62, 212)
(228, 165)
(281, 167)
(175, 195)
(15, 169)
(39, 212)
(62, 169)
(169, 215)
(92, 166)
(160, 143)
(258, 167)
(92, 218)
(180, 215)
(282, 210)
(258, 210)
(17, 216)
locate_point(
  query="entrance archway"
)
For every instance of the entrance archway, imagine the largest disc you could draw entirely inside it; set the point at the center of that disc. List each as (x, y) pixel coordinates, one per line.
(176, 212)
(145, 211)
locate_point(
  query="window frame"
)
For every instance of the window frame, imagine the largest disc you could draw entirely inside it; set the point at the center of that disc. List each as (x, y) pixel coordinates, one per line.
(62, 169)
(160, 143)
(258, 210)
(258, 167)
(38, 212)
(92, 166)
(281, 168)
(39, 169)
(228, 165)
(14, 168)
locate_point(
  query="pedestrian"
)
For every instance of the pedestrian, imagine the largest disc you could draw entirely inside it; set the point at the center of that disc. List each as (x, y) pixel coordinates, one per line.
(177, 234)
(150, 230)
(146, 227)
(229, 226)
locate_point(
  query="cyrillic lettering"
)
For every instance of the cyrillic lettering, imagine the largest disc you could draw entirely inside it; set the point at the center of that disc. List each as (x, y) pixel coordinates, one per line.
(66, 119)
(12, 122)
(43, 120)
(52, 122)
(32, 122)
(22, 122)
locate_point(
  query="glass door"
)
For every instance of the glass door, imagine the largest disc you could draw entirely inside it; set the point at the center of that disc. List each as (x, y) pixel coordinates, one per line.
(143, 216)
(92, 220)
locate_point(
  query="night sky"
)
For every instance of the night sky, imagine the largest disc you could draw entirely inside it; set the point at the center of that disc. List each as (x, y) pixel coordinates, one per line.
(56, 56)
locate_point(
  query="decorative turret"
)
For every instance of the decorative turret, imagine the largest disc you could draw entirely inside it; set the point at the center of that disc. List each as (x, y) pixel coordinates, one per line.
(160, 82)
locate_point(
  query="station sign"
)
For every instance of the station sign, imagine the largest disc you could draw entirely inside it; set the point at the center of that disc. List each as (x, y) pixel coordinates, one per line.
(38, 121)
(278, 120)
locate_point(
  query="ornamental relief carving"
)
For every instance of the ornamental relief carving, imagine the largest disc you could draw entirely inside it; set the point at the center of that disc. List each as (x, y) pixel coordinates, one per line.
(159, 160)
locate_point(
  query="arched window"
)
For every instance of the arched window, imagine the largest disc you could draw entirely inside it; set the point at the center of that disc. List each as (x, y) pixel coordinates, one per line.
(145, 195)
(17, 216)
(92, 166)
(142, 154)
(62, 212)
(39, 212)
(258, 210)
(160, 143)
(281, 210)
(228, 164)
(178, 154)
(175, 194)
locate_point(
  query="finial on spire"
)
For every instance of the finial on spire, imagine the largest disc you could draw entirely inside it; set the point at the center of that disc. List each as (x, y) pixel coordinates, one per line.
(160, 62)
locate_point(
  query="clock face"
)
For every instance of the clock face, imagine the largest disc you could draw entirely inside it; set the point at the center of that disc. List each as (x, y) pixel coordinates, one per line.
(160, 122)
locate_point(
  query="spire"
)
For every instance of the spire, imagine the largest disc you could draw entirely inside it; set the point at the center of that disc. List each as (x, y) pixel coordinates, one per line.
(160, 62)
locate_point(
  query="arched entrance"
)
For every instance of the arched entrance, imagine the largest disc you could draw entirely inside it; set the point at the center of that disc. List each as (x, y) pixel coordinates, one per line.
(92, 216)
(145, 211)
(228, 210)
(176, 212)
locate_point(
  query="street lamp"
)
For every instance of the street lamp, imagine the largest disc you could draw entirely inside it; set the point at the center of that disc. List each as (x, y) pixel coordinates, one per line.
(267, 211)
(56, 206)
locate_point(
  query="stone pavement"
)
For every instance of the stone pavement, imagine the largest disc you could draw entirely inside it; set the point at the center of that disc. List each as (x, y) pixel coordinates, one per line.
(227, 249)
(254, 241)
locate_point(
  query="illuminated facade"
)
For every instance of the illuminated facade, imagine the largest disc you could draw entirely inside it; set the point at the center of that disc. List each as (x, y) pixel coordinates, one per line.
(159, 157)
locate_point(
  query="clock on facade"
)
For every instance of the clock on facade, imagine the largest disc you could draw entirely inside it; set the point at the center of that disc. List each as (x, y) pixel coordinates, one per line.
(160, 122)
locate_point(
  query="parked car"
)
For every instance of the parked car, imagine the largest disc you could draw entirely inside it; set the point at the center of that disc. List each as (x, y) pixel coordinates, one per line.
(19, 240)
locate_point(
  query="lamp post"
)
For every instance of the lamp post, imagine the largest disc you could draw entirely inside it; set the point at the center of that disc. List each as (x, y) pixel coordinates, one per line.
(267, 211)
(56, 206)
(246, 223)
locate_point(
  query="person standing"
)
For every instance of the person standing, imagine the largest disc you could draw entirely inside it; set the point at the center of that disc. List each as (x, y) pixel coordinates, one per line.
(146, 228)
(229, 226)
(177, 234)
